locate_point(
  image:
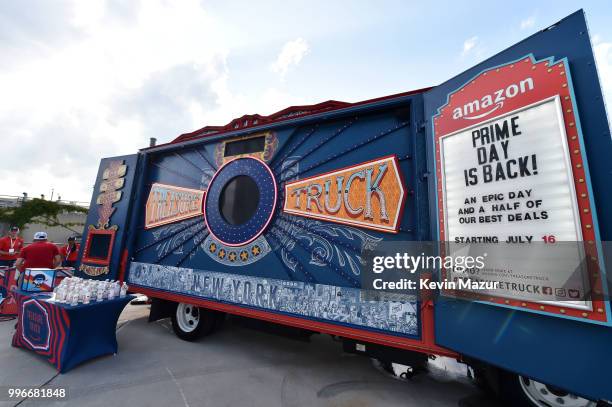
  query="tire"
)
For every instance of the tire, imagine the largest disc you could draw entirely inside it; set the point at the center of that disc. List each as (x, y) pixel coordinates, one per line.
(520, 391)
(191, 323)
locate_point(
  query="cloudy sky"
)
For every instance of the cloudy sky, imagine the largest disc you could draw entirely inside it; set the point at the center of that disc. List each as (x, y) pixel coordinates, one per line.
(81, 80)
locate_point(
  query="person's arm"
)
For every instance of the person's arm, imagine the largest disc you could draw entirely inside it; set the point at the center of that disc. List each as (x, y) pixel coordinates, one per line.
(19, 266)
(63, 252)
(57, 257)
(20, 263)
(57, 260)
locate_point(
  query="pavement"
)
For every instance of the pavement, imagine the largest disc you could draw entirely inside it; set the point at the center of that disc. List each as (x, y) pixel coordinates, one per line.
(236, 366)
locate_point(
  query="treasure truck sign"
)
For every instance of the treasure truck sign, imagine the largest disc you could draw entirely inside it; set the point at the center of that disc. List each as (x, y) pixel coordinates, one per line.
(168, 204)
(510, 173)
(369, 195)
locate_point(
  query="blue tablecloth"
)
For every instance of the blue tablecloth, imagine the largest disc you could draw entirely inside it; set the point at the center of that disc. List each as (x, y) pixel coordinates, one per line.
(67, 335)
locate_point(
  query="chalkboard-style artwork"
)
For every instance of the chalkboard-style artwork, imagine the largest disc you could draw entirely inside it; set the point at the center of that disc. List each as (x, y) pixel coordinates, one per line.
(261, 146)
(98, 246)
(245, 146)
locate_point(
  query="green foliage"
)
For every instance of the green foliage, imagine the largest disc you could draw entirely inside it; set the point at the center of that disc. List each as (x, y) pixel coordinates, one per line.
(38, 211)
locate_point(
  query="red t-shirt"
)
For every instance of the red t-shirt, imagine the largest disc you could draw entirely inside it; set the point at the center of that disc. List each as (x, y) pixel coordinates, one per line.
(6, 243)
(39, 255)
(74, 253)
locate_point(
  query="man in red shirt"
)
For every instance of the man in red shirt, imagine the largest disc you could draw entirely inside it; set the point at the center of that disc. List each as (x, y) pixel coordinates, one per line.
(10, 247)
(70, 252)
(40, 254)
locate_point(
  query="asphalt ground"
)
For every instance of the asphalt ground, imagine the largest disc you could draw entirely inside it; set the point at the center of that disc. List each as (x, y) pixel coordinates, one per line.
(235, 366)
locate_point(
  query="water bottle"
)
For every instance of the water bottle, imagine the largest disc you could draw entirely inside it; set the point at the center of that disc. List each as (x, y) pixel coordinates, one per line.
(124, 289)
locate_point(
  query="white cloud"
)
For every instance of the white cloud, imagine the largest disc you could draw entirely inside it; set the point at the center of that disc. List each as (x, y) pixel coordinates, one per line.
(603, 58)
(529, 22)
(291, 55)
(469, 45)
(90, 83)
(101, 77)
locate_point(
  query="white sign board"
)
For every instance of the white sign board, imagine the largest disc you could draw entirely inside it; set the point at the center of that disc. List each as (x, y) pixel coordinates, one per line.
(508, 183)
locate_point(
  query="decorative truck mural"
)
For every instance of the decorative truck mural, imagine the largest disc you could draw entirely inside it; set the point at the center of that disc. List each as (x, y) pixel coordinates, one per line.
(275, 217)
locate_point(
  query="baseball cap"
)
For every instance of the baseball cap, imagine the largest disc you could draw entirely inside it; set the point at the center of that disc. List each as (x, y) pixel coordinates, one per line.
(40, 236)
(14, 229)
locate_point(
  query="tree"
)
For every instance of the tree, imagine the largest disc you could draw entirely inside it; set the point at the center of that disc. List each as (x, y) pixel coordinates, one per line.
(39, 211)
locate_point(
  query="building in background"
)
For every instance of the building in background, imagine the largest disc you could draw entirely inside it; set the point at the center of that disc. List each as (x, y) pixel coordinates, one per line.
(70, 223)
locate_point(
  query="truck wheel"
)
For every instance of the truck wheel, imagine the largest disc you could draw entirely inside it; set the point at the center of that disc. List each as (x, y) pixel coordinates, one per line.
(518, 390)
(190, 322)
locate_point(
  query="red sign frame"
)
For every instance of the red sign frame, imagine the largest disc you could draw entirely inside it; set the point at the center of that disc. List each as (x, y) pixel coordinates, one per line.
(94, 232)
(530, 82)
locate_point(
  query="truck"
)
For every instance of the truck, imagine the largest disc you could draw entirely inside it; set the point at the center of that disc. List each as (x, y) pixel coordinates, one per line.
(275, 218)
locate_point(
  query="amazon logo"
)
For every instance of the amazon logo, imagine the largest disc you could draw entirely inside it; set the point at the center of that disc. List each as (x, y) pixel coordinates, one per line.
(479, 108)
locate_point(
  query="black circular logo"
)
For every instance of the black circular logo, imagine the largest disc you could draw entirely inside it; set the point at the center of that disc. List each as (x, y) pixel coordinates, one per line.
(240, 201)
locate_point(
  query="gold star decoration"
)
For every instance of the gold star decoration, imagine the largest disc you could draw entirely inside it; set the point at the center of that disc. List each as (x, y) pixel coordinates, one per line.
(244, 255)
(212, 247)
(232, 256)
(255, 250)
(221, 254)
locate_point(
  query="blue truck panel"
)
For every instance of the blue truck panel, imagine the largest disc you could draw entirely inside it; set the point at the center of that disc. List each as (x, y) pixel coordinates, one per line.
(573, 355)
(305, 267)
(116, 219)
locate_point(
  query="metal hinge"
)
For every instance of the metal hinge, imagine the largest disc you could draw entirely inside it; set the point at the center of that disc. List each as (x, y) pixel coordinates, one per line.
(421, 125)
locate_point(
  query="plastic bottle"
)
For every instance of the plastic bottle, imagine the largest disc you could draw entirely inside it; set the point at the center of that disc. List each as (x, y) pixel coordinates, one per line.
(117, 288)
(110, 292)
(124, 289)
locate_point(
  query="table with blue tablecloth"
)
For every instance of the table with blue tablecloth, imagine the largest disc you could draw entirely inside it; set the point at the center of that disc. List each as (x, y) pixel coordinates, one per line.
(8, 304)
(67, 335)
